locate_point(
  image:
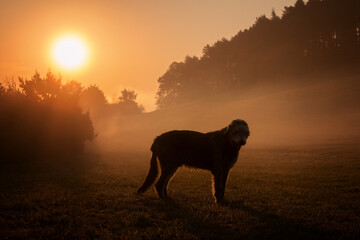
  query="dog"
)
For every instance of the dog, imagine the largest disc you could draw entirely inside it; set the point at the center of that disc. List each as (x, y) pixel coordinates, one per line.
(215, 151)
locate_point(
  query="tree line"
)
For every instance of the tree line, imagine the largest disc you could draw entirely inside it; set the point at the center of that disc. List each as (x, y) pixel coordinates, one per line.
(309, 38)
(43, 118)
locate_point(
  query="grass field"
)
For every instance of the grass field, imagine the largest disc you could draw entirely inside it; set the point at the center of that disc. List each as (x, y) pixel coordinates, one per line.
(273, 193)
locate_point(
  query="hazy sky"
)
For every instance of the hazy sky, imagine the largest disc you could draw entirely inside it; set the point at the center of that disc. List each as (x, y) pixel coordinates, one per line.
(131, 42)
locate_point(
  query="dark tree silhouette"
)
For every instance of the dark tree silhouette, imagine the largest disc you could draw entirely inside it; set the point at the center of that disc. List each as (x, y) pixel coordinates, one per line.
(127, 96)
(41, 118)
(127, 103)
(308, 39)
(41, 89)
(93, 100)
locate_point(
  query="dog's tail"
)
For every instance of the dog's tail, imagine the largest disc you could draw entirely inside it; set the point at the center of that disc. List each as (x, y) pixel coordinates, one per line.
(153, 171)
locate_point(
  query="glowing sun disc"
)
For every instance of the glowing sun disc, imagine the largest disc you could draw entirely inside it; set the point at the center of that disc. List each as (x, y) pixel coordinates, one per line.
(70, 52)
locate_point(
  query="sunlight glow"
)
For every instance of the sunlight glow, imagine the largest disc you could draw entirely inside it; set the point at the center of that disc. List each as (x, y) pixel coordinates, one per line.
(70, 52)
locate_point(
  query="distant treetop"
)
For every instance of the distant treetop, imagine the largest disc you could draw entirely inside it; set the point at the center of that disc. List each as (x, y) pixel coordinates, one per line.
(308, 38)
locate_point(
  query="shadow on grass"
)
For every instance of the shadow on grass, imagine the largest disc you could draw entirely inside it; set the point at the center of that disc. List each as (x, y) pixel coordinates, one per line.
(192, 224)
(267, 225)
(273, 226)
(23, 177)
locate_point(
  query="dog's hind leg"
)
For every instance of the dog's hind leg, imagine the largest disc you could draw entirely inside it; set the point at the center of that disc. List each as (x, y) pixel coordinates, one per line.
(166, 174)
(170, 175)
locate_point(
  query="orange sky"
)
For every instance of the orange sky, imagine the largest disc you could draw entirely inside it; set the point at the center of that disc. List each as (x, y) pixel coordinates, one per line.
(131, 43)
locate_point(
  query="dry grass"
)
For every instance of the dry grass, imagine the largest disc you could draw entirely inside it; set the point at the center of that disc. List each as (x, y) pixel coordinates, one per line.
(274, 193)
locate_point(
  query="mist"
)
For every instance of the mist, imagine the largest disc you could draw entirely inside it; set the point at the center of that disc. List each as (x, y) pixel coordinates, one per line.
(293, 78)
(323, 112)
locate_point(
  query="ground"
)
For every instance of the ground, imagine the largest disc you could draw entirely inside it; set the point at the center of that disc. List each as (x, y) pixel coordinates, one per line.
(302, 192)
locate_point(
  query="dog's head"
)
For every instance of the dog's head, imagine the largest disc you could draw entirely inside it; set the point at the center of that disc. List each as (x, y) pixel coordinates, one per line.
(238, 132)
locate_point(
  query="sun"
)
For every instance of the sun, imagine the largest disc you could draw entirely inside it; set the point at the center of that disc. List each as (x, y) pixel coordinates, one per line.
(70, 52)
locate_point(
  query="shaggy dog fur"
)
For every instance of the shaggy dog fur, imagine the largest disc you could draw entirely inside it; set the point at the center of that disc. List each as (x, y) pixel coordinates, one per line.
(214, 151)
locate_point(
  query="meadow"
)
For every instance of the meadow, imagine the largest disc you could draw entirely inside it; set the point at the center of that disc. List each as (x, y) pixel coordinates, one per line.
(300, 192)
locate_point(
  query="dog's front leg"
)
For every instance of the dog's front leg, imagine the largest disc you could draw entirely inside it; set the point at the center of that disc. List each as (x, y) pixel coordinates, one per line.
(218, 186)
(224, 178)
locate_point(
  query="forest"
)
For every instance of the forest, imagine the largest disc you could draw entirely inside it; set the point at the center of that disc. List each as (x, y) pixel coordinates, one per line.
(311, 40)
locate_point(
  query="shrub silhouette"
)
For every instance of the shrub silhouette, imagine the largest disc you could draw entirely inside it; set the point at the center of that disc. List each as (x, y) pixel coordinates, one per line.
(92, 99)
(41, 119)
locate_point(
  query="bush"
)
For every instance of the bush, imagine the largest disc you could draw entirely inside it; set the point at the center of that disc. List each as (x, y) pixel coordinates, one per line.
(42, 119)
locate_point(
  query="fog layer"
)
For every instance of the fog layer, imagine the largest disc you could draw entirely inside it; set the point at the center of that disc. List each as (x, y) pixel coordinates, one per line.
(303, 114)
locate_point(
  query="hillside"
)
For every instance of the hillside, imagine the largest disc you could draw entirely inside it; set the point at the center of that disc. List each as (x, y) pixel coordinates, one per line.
(302, 115)
(309, 40)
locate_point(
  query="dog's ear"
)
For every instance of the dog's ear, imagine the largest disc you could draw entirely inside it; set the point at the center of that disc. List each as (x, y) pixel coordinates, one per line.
(225, 130)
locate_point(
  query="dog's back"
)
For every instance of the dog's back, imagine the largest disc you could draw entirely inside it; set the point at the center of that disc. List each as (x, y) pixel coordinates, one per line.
(189, 148)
